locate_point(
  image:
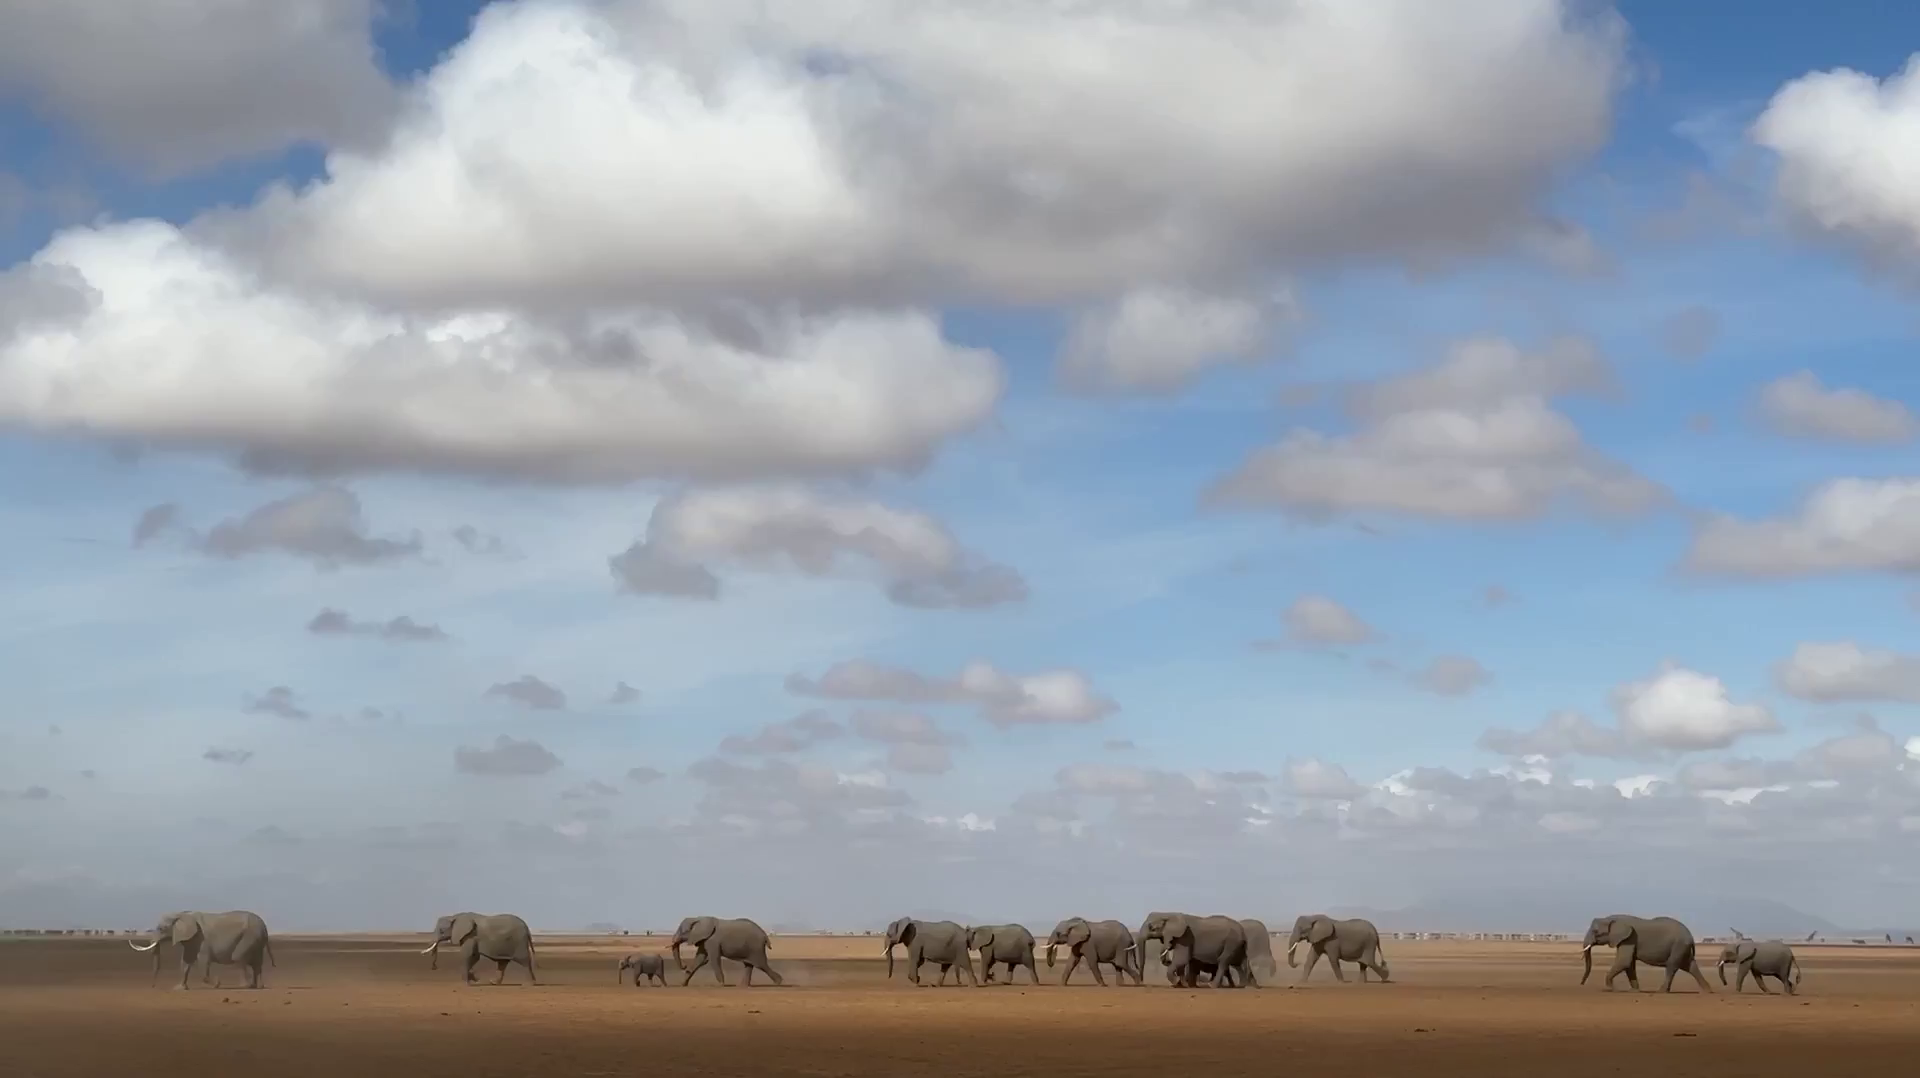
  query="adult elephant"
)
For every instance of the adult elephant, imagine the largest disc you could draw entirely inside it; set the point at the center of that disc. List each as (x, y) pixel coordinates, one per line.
(1095, 942)
(1761, 959)
(1259, 945)
(1214, 940)
(1651, 941)
(943, 942)
(1003, 945)
(501, 938)
(1352, 939)
(715, 938)
(231, 938)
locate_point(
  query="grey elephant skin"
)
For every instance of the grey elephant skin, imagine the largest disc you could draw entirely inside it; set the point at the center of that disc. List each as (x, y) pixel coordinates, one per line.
(1095, 943)
(1761, 959)
(718, 939)
(1259, 944)
(231, 938)
(501, 938)
(1003, 945)
(1650, 941)
(941, 942)
(643, 968)
(1193, 940)
(1351, 939)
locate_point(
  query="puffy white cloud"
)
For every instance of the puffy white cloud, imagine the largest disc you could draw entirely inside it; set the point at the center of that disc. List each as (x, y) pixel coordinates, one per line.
(1319, 779)
(1844, 525)
(1561, 734)
(1800, 406)
(1452, 675)
(1318, 619)
(323, 525)
(790, 527)
(570, 150)
(1682, 710)
(1157, 340)
(1470, 437)
(1047, 697)
(159, 338)
(1847, 164)
(529, 692)
(187, 83)
(1831, 671)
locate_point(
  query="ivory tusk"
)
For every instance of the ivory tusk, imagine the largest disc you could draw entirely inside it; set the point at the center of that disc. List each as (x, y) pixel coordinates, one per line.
(145, 949)
(431, 947)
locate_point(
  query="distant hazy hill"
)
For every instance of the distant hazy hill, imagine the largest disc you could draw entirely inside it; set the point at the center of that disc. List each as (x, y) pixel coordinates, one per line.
(1516, 910)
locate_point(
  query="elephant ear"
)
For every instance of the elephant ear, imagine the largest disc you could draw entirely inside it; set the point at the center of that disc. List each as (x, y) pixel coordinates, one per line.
(463, 926)
(1745, 952)
(1320, 931)
(982, 938)
(1172, 929)
(1078, 933)
(909, 928)
(1619, 933)
(185, 928)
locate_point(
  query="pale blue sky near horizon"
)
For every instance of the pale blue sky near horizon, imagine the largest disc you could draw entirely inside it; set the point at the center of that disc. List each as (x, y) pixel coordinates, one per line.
(131, 662)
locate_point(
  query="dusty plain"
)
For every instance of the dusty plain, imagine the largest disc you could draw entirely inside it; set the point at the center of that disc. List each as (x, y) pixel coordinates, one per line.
(369, 1006)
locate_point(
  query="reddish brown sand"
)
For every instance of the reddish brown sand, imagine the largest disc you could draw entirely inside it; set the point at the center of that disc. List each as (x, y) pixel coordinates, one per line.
(368, 1007)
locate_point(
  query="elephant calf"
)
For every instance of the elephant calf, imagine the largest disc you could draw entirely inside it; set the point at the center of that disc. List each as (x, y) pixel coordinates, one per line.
(644, 967)
(1003, 945)
(1762, 959)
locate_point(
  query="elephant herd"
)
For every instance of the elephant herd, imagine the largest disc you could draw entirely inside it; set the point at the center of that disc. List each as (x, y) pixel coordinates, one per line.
(1194, 949)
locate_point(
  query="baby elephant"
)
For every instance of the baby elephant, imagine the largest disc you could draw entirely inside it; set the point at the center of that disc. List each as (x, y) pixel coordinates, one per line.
(1763, 959)
(650, 967)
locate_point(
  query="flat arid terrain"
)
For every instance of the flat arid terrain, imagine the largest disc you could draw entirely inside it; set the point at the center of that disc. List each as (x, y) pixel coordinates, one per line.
(370, 1006)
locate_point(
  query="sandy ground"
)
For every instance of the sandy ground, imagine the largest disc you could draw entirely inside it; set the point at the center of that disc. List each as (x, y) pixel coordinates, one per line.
(368, 1005)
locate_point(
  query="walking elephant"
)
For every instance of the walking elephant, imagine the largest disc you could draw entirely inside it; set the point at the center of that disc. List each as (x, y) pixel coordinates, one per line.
(232, 938)
(1762, 959)
(1214, 940)
(501, 938)
(1651, 941)
(1259, 945)
(930, 941)
(644, 967)
(1352, 939)
(716, 938)
(1095, 942)
(1003, 945)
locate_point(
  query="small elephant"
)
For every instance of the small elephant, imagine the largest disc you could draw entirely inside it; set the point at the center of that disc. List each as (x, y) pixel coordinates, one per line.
(1095, 942)
(233, 938)
(1762, 959)
(1351, 939)
(943, 942)
(502, 938)
(644, 967)
(716, 938)
(1003, 945)
(1651, 941)
(1204, 972)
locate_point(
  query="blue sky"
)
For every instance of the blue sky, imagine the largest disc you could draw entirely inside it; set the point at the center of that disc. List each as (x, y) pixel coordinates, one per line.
(440, 327)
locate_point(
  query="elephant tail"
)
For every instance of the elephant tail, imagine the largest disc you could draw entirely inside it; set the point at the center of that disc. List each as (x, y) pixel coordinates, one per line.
(268, 945)
(1799, 971)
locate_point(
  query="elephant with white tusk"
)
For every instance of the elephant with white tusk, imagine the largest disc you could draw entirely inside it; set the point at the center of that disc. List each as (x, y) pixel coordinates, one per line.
(644, 967)
(1096, 942)
(943, 942)
(1651, 941)
(716, 938)
(502, 938)
(1003, 945)
(1762, 959)
(233, 938)
(1192, 941)
(1351, 939)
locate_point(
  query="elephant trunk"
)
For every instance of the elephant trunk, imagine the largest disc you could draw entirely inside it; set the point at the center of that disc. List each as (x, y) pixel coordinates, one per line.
(1586, 962)
(1721, 968)
(434, 950)
(1291, 944)
(891, 940)
(1050, 946)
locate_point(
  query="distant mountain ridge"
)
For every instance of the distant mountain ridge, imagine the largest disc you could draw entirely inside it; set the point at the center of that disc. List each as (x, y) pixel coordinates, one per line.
(1547, 911)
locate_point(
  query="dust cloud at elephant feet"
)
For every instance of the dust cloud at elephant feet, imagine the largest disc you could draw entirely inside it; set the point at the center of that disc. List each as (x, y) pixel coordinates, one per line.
(339, 1006)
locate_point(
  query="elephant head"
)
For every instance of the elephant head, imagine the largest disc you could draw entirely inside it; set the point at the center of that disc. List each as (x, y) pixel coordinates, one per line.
(1612, 930)
(694, 932)
(1312, 928)
(452, 930)
(1175, 932)
(900, 933)
(1733, 954)
(180, 927)
(1073, 932)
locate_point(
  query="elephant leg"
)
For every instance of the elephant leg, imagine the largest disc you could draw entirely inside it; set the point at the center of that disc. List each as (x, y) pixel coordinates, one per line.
(719, 969)
(1786, 981)
(699, 959)
(470, 956)
(1760, 982)
(1740, 978)
(759, 962)
(187, 956)
(914, 955)
(1373, 959)
(1338, 974)
(1622, 963)
(1699, 978)
(1313, 958)
(500, 970)
(1073, 963)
